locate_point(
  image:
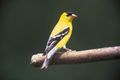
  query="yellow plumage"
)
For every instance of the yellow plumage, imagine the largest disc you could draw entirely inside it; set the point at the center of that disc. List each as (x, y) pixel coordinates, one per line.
(60, 26)
(59, 36)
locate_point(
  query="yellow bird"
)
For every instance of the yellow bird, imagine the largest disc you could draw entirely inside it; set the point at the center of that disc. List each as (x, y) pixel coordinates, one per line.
(59, 36)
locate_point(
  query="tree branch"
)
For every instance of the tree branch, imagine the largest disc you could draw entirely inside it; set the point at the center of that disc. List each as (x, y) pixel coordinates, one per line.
(73, 57)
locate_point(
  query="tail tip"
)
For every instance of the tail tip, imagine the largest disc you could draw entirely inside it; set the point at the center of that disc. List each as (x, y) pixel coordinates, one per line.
(45, 64)
(44, 67)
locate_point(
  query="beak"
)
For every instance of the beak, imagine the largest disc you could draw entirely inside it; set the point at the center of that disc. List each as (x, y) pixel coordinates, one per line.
(74, 15)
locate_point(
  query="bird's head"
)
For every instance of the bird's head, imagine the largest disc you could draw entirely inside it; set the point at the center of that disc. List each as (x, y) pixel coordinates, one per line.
(68, 16)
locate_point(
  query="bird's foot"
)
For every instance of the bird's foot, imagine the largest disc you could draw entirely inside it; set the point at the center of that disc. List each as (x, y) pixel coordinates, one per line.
(67, 49)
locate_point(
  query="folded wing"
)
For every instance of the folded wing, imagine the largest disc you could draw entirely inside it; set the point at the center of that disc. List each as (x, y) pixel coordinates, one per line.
(52, 41)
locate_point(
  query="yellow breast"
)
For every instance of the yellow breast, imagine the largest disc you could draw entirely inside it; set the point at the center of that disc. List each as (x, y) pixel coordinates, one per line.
(60, 26)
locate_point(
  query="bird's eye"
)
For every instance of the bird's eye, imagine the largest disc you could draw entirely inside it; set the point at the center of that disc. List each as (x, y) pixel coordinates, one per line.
(69, 13)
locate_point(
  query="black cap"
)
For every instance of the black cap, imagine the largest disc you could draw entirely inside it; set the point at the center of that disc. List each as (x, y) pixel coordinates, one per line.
(69, 13)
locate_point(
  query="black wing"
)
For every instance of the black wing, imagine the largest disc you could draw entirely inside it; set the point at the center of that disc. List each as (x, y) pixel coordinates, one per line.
(52, 41)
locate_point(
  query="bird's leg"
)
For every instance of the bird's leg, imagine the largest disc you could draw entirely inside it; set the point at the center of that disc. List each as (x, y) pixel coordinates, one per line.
(67, 49)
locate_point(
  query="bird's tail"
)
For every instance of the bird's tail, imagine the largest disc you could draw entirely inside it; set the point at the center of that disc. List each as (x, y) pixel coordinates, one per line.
(48, 58)
(45, 63)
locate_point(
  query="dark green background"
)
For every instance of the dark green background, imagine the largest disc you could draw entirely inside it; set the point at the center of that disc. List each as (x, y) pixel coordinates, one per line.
(26, 24)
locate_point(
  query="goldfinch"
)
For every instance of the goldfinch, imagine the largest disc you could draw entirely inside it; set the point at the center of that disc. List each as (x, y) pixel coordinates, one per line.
(59, 36)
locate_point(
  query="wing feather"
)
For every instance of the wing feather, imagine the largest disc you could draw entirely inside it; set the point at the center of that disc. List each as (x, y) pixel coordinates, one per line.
(52, 41)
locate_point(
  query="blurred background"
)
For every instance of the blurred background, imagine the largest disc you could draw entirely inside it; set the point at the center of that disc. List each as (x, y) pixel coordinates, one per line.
(26, 24)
